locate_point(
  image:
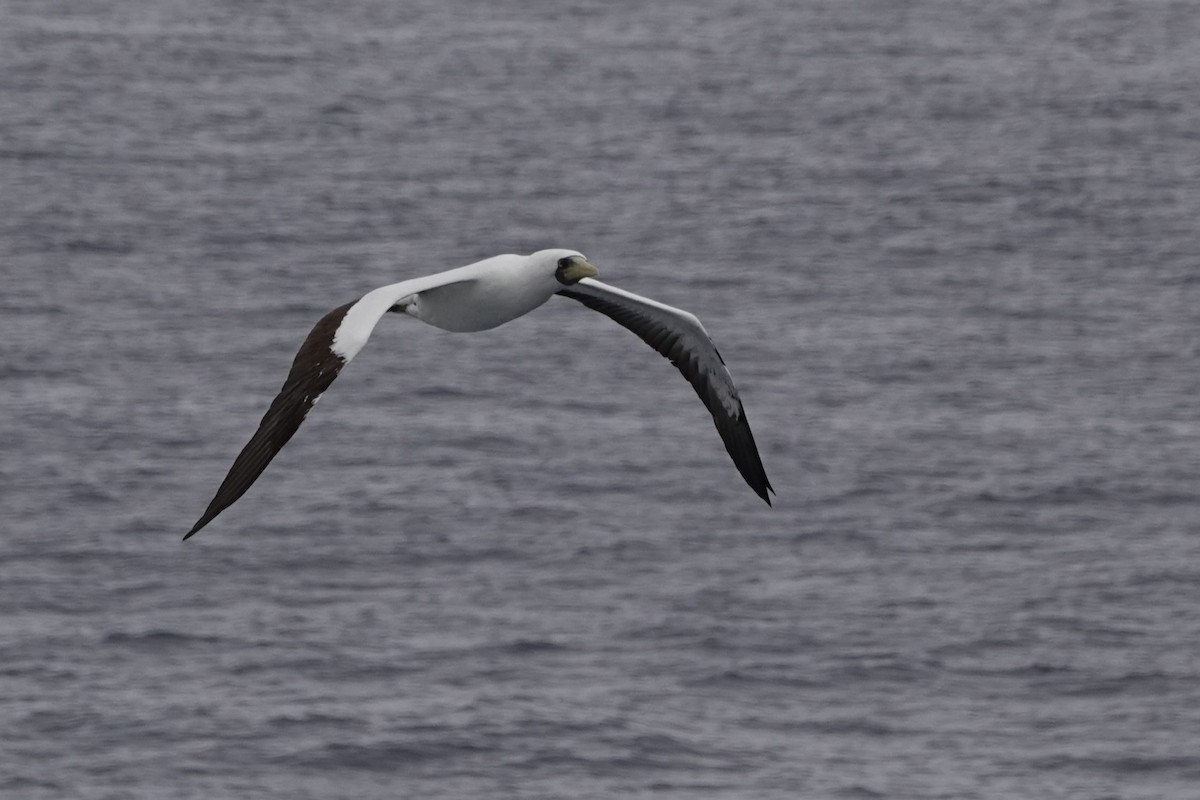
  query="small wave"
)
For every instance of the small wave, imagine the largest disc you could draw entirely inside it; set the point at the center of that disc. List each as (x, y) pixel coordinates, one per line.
(754, 676)
(382, 756)
(441, 392)
(858, 793)
(1132, 683)
(313, 719)
(54, 722)
(529, 646)
(98, 246)
(156, 639)
(1086, 491)
(1124, 764)
(20, 784)
(848, 727)
(1062, 494)
(663, 751)
(1036, 669)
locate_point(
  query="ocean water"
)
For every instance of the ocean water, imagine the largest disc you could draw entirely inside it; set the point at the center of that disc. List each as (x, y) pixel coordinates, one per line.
(949, 251)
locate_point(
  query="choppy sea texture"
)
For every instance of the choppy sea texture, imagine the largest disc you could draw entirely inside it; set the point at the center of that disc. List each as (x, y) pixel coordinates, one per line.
(948, 250)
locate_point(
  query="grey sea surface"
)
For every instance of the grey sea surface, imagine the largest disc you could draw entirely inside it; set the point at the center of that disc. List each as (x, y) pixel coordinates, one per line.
(948, 250)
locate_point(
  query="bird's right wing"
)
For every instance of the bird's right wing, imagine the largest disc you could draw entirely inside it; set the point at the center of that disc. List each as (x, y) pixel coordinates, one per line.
(330, 345)
(679, 336)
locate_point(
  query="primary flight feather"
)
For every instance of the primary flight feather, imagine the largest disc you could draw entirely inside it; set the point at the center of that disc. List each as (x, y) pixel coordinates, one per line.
(477, 297)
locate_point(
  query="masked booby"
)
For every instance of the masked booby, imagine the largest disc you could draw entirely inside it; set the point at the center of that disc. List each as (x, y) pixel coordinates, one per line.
(477, 297)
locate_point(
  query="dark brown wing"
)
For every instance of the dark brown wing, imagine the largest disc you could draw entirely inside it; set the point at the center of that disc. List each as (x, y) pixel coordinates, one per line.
(680, 337)
(313, 370)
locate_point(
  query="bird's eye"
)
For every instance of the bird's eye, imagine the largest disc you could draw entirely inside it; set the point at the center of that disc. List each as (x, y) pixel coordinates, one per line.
(561, 273)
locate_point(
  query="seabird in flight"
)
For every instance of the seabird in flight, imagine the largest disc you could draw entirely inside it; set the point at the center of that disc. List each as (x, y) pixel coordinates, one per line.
(477, 297)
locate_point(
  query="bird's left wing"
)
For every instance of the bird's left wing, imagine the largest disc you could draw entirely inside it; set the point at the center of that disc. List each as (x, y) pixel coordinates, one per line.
(330, 345)
(680, 337)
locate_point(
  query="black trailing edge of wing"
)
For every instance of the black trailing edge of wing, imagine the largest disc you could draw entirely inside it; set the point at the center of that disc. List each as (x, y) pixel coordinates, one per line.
(313, 370)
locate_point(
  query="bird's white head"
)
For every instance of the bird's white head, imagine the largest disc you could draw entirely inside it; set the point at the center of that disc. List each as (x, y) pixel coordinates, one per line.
(569, 266)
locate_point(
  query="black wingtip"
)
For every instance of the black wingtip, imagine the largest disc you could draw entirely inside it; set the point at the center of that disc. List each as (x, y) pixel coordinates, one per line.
(313, 370)
(764, 491)
(739, 443)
